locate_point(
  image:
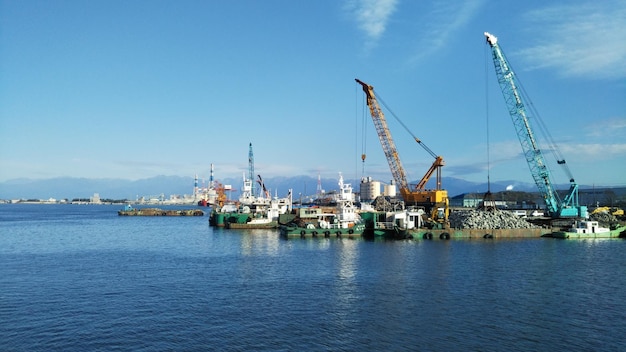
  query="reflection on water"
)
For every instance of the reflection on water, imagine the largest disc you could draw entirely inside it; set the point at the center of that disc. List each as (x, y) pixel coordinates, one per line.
(257, 242)
(347, 252)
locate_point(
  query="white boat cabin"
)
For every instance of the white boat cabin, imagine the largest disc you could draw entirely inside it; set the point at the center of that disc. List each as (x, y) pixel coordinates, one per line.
(587, 226)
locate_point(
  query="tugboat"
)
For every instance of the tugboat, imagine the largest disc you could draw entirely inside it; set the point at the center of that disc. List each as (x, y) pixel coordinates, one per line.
(250, 211)
(260, 215)
(392, 224)
(342, 221)
(590, 229)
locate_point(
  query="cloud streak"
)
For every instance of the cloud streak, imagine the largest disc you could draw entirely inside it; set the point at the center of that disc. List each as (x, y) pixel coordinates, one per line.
(372, 16)
(579, 40)
(444, 21)
(614, 127)
(594, 151)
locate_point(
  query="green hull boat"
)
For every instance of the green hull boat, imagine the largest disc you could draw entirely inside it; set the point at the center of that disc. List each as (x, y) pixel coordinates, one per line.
(330, 232)
(590, 229)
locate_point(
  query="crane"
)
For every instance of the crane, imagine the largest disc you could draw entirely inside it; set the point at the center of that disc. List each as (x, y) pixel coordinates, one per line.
(435, 201)
(568, 207)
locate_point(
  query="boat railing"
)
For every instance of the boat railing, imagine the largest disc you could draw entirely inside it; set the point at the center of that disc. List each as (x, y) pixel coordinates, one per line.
(384, 225)
(338, 225)
(333, 226)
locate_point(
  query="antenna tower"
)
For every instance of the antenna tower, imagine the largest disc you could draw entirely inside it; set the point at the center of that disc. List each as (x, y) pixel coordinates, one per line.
(251, 168)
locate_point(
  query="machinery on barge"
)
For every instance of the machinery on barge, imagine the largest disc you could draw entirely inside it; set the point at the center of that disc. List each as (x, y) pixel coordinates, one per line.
(434, 201)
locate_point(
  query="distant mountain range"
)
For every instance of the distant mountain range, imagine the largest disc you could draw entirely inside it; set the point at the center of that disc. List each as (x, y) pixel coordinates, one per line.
(71, 188)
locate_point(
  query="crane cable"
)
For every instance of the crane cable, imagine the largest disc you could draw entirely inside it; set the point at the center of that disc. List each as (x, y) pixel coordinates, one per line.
(405, 127)
(487, 119)
(378, 98)
(552, 146)
(363, 127)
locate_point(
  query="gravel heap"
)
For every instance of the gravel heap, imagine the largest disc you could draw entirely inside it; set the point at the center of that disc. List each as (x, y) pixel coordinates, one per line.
(384, 203)
(482, 219)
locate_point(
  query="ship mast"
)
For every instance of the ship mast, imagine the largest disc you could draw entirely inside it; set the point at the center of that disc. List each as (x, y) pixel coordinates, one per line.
(251, 169)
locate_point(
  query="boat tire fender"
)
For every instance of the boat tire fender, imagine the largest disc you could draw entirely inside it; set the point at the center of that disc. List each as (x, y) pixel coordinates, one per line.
(326, 233)
(351, 231)
(314, 233)
(428, 236)
(444, 236)
(338, 233)
(302, 233)
(487, 235)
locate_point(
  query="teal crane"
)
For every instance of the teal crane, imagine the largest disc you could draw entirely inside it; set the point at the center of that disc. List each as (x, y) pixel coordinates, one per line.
(568, 207)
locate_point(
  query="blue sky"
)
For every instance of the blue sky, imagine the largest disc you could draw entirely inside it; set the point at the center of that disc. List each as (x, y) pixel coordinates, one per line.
(135, 89)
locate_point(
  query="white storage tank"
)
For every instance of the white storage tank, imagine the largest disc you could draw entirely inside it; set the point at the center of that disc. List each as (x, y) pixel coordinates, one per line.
(369, 189)
(390, 190)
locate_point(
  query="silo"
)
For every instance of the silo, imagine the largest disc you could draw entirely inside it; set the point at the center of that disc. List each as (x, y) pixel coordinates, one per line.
(369, 189)
(390, 190)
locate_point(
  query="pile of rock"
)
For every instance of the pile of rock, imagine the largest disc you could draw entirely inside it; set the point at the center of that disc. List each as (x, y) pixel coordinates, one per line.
(487, 219)
(385, 203)
(604, 219)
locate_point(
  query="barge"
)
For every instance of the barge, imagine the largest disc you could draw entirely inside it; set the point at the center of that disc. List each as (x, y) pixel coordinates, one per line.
(130, 211)
(247, 221)
(447, 234)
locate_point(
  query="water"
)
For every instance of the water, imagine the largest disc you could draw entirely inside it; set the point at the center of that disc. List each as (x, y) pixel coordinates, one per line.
(80, 278)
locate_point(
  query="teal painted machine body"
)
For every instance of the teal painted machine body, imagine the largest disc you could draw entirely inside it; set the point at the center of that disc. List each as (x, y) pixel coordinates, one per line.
(567, 207)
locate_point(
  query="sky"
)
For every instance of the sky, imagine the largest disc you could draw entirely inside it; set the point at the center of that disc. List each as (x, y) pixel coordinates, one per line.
(136, 89)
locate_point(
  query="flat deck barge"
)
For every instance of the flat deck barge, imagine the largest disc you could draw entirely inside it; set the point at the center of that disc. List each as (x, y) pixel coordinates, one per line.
(446, 234)
(130, 211)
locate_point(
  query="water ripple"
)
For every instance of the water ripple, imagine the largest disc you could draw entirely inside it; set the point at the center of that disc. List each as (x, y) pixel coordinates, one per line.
(89, 281)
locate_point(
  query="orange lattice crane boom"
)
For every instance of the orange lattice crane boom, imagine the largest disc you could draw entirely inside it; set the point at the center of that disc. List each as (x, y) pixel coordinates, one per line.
(434, 200)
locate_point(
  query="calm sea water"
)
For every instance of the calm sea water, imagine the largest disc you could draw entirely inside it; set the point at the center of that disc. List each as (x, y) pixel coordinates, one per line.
(80, 278)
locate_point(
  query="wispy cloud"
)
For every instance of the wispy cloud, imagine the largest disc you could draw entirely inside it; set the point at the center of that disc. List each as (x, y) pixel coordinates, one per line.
(594, 152)
(478, 158)
(372, 16)
(615, 127)
(579, 39)
(444, 21)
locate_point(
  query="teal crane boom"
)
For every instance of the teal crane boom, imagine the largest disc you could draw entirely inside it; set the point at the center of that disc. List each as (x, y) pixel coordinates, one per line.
(568, 207)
